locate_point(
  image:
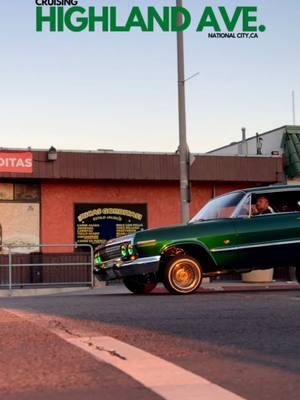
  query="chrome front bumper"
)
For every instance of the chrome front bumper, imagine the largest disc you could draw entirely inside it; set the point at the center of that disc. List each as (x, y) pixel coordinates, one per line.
(114, 269)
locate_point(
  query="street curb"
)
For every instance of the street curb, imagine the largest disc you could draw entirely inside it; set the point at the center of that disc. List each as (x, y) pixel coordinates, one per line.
(254, 288)
(240, 288)
(39, 292)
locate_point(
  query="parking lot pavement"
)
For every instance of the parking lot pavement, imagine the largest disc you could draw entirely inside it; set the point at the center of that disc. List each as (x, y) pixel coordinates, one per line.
(244, 342)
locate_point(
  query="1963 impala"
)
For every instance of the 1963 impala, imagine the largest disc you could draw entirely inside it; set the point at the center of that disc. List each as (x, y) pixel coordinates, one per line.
(240, 231)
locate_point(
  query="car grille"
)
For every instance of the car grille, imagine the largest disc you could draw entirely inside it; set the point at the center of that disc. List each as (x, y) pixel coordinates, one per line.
(110, 252)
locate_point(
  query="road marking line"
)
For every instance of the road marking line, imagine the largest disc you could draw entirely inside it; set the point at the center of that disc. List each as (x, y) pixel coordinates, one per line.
(162, 377)
(168, 380)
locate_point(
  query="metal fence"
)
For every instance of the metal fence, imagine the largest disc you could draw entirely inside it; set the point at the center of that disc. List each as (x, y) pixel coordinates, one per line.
(46, 269)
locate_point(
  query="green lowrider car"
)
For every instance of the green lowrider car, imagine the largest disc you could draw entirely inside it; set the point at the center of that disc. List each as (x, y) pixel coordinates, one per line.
(240, 231)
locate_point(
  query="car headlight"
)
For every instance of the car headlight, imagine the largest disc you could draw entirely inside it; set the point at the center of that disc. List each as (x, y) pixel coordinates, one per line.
(98, 259)
(123, 251)
(127, 251)
(130, 250)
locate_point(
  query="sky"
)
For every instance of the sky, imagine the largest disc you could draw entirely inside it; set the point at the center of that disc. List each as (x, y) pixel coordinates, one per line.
(90, 91)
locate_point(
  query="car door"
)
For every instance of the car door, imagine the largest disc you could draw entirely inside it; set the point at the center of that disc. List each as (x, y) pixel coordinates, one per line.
(216, 236)
(268, 240)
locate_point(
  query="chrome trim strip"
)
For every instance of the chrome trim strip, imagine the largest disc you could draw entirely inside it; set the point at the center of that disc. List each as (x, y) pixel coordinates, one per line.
(252, 246)
(116, 242)
(146, 242)
(117, 262)
(145, 260)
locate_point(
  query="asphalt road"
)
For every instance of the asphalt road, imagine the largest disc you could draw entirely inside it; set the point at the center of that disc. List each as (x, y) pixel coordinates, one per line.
(248, 343)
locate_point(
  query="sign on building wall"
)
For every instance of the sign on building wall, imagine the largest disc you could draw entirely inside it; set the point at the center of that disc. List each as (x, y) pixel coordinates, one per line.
(96, 223)
(20, 226)
(16, 162)
(19, 217)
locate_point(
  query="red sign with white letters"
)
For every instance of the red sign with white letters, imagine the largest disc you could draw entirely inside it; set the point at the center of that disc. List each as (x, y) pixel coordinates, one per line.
(18, 162)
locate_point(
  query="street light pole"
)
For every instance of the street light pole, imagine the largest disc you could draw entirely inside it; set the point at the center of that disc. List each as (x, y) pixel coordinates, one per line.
(183, 147)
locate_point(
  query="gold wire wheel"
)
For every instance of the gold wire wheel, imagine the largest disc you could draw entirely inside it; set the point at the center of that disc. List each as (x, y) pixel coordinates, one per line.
(184, 275)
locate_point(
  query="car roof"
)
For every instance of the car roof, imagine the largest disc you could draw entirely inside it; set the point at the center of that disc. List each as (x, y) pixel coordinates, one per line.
(270, 189)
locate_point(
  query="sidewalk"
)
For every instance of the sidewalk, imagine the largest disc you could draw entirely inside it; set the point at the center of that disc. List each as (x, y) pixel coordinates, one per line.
(239, 286)
(117, 288)
(39, 291)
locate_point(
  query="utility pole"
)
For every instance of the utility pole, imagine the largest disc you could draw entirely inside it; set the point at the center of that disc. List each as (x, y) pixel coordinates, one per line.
(183, 147)
(293, 107)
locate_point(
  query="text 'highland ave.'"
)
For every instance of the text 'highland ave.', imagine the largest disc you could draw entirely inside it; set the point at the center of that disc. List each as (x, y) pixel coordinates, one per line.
(63, 15)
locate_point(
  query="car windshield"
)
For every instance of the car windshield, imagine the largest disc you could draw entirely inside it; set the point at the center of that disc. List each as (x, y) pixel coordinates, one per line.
(220, 207)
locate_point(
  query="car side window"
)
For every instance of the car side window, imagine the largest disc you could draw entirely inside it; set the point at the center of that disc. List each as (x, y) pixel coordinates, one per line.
(276, 202)
(244, 210)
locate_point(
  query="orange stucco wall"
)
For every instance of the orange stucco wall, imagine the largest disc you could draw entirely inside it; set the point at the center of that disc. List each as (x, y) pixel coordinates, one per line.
(58, 199)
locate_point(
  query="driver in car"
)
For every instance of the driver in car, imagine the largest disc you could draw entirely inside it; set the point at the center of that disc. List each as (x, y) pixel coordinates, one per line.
(262, 206)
